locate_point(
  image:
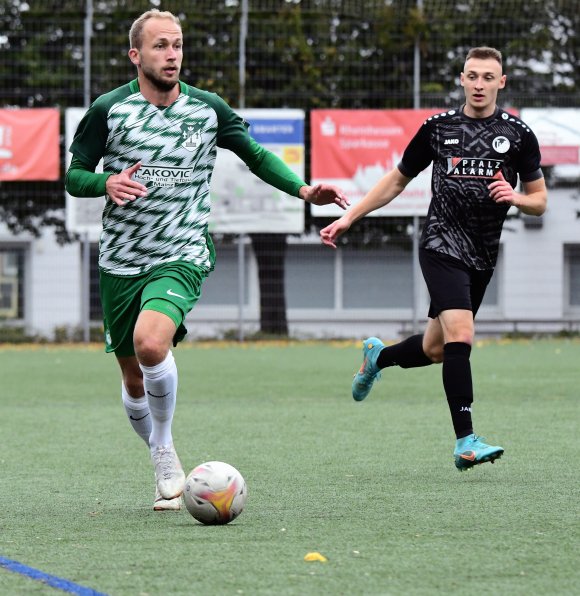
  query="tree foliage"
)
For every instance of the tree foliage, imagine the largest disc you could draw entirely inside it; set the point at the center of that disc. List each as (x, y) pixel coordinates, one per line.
(299, 53)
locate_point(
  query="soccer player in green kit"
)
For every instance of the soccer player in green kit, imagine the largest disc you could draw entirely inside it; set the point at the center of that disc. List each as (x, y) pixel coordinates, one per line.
(158, 139)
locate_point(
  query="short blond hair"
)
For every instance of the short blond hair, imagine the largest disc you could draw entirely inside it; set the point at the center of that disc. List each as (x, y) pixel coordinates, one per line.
(136, 31)
(484, 53)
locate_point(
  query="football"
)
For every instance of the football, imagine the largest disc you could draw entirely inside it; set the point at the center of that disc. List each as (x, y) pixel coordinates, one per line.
(215, 493)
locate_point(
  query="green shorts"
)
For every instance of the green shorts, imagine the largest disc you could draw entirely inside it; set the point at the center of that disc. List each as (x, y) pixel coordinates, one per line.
(172, 289)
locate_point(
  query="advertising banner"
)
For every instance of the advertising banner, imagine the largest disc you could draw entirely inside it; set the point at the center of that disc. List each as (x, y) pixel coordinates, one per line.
(244, 204)
(355, 148)
(29, 144)
(558, 132)
(83, 214)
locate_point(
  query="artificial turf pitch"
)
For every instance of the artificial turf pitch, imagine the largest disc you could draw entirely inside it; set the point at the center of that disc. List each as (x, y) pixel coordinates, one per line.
(370, 485)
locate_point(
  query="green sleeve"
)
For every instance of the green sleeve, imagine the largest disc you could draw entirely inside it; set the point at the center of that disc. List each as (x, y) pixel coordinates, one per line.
(233, 135)
(90, 140)
(81, 181)
(271, 169)
(88, 147)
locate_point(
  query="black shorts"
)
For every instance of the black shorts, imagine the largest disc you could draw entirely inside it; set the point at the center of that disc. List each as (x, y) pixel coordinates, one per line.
(451, 283)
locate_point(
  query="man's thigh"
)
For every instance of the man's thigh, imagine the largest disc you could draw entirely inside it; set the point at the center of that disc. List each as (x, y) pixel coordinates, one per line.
(171, 289)
(451, 284)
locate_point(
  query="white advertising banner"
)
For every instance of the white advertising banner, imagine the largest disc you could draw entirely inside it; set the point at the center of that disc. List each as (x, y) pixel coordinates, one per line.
(244, 204)
(83, 214)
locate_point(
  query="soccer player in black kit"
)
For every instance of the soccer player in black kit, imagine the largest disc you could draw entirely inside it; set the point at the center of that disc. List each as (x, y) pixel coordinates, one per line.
(478, 151)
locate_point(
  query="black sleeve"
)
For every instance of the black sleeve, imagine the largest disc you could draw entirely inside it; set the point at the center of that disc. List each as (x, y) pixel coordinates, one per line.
(529, 159)
(418, 154)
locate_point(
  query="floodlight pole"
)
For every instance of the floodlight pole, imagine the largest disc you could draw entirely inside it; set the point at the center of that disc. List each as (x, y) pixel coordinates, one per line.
(241, 105)
(85, 242)
(416, 274)
(416, 106)
(242, 52)
(417, 66)
(88, 31)
(241, 285)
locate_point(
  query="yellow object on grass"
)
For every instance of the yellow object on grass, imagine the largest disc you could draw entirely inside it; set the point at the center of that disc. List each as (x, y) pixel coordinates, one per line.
(315, 557)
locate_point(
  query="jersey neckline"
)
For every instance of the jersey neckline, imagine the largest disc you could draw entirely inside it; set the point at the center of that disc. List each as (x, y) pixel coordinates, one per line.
(464, 115)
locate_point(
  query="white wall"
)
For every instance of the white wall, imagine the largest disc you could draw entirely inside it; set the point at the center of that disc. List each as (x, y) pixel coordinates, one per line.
(55, 298)
(532, 273)
(533, 260)
(52, 282)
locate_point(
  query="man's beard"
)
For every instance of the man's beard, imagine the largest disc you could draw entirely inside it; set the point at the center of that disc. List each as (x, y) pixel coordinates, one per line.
(159, 83)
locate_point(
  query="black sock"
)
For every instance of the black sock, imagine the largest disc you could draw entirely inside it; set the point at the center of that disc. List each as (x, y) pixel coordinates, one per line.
(458, 386)
(406, 354)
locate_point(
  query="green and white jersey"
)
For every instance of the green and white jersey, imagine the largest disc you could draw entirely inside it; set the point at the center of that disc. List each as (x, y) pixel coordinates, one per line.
(176, 146)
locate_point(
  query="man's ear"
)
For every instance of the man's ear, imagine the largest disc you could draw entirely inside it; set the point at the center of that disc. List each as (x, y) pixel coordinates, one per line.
(134, 56)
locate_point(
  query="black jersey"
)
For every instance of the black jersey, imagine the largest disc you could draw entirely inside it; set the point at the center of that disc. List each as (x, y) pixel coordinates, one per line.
(468, 154)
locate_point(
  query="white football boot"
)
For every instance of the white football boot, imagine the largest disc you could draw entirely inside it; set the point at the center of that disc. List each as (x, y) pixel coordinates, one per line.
(161, 504)
(169, 475)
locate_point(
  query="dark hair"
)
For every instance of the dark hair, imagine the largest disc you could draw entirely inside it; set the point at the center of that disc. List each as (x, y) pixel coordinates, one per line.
(136, 31)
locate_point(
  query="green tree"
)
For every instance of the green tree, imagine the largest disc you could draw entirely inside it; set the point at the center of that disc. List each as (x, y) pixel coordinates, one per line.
(300, 53)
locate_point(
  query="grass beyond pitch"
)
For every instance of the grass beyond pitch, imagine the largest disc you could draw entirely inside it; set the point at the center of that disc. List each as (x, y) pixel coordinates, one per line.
(371, 486)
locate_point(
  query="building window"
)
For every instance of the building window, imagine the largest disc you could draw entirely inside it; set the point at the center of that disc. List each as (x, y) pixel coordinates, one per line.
(572, 256)
(95, 308)
(378, 277)
(11, 283)
(491, 297)
(309, 276)
(221, 288)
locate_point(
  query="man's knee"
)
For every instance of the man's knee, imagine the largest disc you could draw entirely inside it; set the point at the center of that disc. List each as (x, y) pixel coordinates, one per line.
(434, 351)
(460, 334)
(153, 336)
(150, 349)
(458, 326)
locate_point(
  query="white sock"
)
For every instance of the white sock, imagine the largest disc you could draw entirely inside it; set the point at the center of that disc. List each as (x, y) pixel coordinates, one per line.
(138, 413)
(160, 383)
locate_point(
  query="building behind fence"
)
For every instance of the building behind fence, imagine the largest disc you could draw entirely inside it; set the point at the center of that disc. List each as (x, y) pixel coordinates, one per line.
(364, 54)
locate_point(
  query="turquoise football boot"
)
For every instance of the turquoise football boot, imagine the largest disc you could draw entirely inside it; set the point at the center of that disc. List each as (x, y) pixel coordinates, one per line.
(471, 451)
(369, 371)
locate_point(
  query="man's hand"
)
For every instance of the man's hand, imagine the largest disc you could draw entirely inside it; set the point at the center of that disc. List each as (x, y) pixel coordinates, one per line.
(122, 188)
(501, 191)
(531, 202)
(324, 194)
(330, 233)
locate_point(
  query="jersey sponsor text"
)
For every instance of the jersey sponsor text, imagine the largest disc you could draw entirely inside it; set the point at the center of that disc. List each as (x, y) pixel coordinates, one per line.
(466, 167)
(161, 176)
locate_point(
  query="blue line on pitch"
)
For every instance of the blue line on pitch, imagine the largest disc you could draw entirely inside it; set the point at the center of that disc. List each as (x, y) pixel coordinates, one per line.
(46, 578)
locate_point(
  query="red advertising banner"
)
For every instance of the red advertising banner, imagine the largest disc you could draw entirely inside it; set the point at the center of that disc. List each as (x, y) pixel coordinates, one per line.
(355, 148)
(558, 132)
(29, 144)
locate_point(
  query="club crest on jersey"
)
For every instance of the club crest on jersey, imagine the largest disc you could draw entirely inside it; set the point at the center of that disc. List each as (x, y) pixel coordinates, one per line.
(191, 135)
(501, 144)
(470, 167)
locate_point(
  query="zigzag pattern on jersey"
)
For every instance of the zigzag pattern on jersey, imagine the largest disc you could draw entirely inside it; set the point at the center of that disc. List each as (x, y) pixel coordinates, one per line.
(170, 223)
